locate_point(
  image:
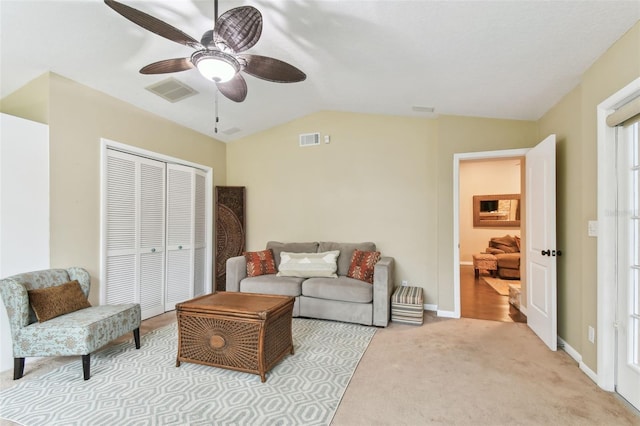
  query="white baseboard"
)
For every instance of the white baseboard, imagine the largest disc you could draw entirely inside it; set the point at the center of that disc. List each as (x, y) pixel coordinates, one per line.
(589, 372)
(466, 263)
(578, 358)
(430, 307)
(447, 314)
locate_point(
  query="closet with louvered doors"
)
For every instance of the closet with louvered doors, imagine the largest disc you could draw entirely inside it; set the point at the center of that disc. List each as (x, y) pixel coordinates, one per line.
(155, 232)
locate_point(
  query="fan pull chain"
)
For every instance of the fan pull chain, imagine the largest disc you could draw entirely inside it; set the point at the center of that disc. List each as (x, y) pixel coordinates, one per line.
(215, 128)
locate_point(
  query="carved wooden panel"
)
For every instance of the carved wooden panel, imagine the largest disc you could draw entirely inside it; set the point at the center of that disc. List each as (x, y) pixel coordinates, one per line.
(230, 229)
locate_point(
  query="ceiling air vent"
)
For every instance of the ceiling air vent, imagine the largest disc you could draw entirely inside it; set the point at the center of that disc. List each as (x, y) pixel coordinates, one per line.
(171, 90)
(231, 131)
(309, 139)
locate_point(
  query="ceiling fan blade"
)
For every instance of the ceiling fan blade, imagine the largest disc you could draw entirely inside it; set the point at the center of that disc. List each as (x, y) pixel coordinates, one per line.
(168, 65)
(152, 24)
(238, 29)
(234, 89)
(272, 69)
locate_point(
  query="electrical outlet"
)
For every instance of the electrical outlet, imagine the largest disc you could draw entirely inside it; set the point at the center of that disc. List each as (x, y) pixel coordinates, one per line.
(592, 334)
(405, 283)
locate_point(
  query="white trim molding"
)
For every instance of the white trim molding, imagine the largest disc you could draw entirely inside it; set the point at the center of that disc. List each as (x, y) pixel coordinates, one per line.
(606, 267)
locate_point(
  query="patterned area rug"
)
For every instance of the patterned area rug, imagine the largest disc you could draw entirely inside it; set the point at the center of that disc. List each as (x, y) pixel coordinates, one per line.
(143, 387)
(501, 286)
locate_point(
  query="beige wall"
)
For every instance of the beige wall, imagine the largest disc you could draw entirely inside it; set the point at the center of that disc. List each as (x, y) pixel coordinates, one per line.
(574, 120)
(378, 180)
(78, 117)
(484, 177)
(375, 182)
(460, 135)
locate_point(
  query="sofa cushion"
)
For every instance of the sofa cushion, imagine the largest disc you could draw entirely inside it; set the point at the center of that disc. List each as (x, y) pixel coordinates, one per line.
(278, 247)
(508, 260)
(272, 284)
(363, 264)
(307, 265)
(507, 244)
(260, 263)
(51, 302)
(341, 288)
(346, 252)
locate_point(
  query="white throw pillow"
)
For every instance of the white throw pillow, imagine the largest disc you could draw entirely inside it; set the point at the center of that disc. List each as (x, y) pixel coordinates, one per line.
(308, 265)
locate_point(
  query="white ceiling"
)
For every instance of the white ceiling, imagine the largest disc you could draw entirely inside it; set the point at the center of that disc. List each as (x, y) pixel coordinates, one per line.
(504, 59)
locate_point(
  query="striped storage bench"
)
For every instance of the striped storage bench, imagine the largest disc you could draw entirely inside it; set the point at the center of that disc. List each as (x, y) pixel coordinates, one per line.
(406, 305)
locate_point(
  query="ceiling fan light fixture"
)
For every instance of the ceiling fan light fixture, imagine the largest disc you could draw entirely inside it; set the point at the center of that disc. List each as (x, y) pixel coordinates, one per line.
(215, 65)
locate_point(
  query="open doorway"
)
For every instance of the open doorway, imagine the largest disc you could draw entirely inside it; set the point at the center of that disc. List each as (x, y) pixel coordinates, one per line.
(489, 231)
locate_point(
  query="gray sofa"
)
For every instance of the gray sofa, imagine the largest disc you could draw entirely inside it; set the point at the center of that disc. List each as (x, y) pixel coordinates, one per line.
(340, 299)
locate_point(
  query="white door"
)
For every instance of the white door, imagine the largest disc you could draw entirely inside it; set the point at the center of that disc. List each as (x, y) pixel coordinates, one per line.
(152, 237)
(541, 248)
(180, 234)
(200, 286)
(628, 223)
(120, 284)
(135, 232)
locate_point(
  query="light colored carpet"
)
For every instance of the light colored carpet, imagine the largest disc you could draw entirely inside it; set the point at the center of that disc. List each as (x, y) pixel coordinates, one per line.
(476, 373)
(143, 387)
(499, 285)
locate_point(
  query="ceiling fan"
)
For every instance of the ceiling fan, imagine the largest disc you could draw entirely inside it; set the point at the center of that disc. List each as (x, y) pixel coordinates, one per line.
(217, 54)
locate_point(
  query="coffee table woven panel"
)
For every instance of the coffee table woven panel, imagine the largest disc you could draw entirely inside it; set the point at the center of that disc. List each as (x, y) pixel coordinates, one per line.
(407, 305)
(237, 331)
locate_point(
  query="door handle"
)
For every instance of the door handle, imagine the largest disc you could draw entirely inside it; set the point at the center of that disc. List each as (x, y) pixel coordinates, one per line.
(546, 252)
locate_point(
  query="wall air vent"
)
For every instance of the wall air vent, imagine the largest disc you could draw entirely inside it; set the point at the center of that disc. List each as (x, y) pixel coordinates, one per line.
(309, 139)
(171, 90)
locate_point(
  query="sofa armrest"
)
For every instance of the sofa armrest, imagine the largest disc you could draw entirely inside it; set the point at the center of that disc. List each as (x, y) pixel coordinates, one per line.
(236, 272)
(16, 300)
(83, 277)
(382, 290)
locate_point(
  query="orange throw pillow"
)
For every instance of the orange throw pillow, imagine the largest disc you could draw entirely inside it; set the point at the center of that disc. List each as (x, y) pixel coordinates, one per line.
(260, 263)
(362, 265)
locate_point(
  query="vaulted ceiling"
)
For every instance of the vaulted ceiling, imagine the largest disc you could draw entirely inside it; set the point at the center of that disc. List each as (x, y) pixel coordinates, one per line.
(503, 59)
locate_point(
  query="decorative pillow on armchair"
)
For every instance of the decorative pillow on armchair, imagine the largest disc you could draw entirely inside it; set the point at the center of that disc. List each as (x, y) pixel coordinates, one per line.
(51, 302)
(260, 263)
(363, 264)
(308, 265)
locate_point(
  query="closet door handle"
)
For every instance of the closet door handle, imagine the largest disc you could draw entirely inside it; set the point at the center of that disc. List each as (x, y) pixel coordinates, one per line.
(153, 250)
(546, 252)
(179, 247)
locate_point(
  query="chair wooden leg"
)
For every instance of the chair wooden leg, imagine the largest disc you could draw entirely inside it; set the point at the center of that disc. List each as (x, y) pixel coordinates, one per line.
(136, 337)
(86, 366)
(18, 368)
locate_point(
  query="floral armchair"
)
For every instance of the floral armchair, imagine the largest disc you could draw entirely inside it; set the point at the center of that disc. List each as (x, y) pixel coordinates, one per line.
(79, 332)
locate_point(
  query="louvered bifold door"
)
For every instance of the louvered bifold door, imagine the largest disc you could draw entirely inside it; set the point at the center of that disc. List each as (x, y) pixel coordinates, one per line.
(121, 202)
(201, 286)
(135, 232)
(180, 233)
(152, 237)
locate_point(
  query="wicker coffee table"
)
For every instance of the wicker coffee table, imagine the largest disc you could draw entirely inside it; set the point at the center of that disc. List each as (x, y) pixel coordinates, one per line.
(239, 331)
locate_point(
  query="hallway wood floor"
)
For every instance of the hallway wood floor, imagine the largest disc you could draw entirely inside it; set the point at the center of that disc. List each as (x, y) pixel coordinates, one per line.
(478, 300)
